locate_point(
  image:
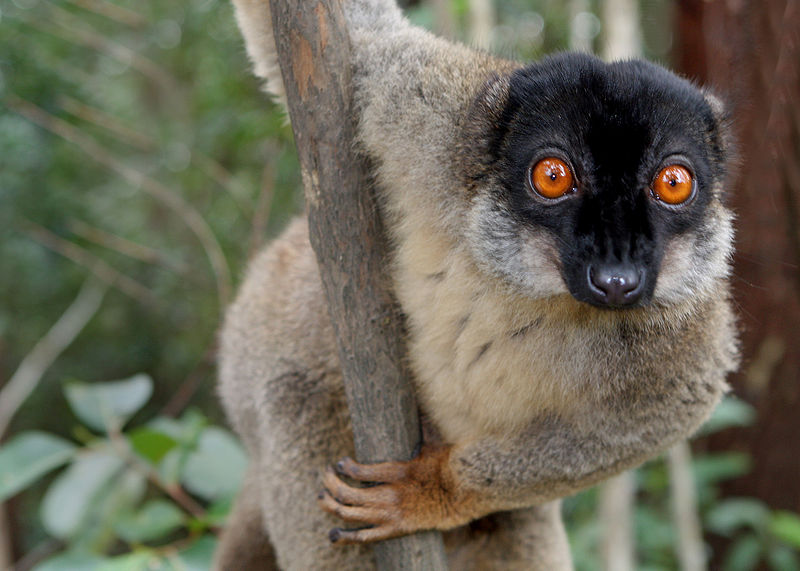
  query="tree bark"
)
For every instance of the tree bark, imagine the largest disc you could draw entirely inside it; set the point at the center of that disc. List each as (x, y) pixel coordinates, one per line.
(750, 52)
(346, 233)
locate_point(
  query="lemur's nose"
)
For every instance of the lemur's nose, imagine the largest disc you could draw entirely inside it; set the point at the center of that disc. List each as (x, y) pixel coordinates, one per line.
(616, 285)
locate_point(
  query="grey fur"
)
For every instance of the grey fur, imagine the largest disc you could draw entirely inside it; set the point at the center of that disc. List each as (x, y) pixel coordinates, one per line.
(540, 396)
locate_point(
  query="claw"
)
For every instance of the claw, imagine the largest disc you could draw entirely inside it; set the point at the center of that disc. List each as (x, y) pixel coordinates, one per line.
(340, 466)
(384, 472)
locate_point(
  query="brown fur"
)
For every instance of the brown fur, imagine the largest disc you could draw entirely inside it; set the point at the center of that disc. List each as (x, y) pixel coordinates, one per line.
(534, 396)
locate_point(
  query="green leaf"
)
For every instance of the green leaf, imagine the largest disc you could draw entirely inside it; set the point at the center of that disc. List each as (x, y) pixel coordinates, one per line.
(115, 500)
(660, 531)
(197, 556)
(151, 444)
(29, 456)
(170, 468)
(783, 558)
(155, 520)
(730, 412)
(714, 468)
(68, 500)
(786, 527)
(729, 515)
(653, 477)
(216, 468)
(142, 560)
(218, 511)
(744, 555)
(110, 404)
(185, 430)
(70, 561)
(168, 426)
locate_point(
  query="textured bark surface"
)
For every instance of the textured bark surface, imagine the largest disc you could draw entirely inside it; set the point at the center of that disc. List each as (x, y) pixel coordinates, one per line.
(351, 249)
(750, 51)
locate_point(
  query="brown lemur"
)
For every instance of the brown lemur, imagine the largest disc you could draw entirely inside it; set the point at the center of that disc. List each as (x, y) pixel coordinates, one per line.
(561, 253)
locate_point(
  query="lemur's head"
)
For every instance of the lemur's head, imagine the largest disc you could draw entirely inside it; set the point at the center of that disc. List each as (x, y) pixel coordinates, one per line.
(601, 180)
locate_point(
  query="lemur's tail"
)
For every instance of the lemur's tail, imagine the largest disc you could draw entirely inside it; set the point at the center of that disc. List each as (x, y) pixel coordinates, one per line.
(255, 22)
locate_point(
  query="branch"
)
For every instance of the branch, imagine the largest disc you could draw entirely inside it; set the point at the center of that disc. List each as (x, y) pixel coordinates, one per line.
(172, 199)
(173, 490)
(6, 551)
(97, 266)
(623, 35)
(691, 551)
(482, 21)
(346, 233)
(113, 125)
(616, 513)
(36, 363)
(112, 11)
(444, 23)
(126, 247)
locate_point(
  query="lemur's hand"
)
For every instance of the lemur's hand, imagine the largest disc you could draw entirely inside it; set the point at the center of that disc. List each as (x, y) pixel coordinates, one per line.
(401, 497)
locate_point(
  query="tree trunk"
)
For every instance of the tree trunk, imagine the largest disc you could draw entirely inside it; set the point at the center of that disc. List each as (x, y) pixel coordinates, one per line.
(623, 36)
(750, 52)
(346, 234)
(615, 510)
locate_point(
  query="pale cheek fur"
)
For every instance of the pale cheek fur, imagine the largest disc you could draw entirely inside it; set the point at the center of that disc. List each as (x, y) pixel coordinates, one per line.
(525, 258)
(694, 262)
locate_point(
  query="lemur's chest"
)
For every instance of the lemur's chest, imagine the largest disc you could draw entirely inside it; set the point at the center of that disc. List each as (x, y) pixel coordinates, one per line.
(484, 364)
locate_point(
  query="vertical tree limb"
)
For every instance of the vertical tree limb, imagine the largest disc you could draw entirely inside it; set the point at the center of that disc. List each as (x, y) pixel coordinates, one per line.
(623, 36)
(616, 513)
(313, 48)
(482, 20)
(683, 496)
(443, 21)
(749, 51)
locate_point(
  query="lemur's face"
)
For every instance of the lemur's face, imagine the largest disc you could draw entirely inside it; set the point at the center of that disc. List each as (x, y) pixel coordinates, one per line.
(602, 180)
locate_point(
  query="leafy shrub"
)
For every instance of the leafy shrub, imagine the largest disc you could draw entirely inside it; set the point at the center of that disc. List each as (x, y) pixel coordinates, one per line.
(127, 498)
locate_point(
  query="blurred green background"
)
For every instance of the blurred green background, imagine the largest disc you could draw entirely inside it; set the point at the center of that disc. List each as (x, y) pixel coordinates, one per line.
(138, 156)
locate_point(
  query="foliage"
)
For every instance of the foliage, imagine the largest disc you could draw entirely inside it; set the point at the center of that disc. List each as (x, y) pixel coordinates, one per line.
(758, 536)
(134, 144)
(126, 498)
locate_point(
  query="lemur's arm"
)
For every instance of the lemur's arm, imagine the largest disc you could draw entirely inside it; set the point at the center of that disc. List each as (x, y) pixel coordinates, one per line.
(448, 486)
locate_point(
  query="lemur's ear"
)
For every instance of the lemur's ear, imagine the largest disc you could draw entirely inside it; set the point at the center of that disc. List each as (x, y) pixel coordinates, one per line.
(718, 107)
(722, 117)
(483, 129)
(723, 139)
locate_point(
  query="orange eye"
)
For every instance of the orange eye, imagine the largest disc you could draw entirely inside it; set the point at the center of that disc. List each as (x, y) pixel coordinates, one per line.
(551, 178)
(673, 185)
